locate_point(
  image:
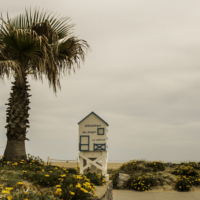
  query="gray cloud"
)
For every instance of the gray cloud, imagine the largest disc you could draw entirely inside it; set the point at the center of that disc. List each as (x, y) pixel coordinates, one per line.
(142, 77)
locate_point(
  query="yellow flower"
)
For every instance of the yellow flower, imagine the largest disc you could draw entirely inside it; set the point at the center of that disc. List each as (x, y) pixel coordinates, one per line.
(42, 170)
(20, 183)
(58, 186)
(39, 194)
(71, 185)
(58, 190)
(50, 171)
(72, 193)
(78, 185)
(9, 197)
(47, 175)
(24, 171)
(78, 166)
(5, 192)
(9, 188)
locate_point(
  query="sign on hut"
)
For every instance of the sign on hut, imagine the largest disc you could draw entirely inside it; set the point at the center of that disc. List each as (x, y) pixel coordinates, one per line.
(93, 145)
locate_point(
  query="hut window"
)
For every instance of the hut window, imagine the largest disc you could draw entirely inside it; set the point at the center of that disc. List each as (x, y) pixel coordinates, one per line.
(100, 131)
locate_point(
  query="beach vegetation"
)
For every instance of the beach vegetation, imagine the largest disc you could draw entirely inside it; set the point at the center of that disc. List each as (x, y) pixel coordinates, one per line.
(146, 175)
(31, 179)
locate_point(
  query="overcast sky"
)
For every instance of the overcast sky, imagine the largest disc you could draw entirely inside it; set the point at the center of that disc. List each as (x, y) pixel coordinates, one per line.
(142, 77)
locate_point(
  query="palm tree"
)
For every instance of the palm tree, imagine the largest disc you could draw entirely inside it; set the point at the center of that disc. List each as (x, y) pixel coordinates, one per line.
(37, 44)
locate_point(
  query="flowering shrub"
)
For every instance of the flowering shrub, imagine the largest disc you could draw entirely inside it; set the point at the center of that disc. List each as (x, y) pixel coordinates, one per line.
(72, 171)
(183, 183)
(157, 166)
(69, 184)
(114, 174)
(195, 165)
(188, 176)
(141, 183)
(132, 166)
(97, 179)
(195, 181)
(76, 187)
(185, 170)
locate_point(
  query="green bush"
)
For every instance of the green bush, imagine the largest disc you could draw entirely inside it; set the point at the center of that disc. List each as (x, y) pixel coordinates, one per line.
(157, 166)
(195, 165)
(183, 183)
(141, 183)
(46, 177)
(76, 187)
(97, 179)
(185, 170)
(23, 195)
(70, 185)
(195, 181)
(11, 177)
(72, 171)
(114, 174)
(132, 167)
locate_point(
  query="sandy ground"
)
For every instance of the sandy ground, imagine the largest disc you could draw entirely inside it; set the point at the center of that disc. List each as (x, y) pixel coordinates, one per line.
(74, 165)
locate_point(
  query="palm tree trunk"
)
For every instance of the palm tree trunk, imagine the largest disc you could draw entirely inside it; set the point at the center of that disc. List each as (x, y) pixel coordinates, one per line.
(17, 120)
(15, 150)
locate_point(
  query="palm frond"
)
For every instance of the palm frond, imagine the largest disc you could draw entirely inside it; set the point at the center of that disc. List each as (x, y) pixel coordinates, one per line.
(22, 41)
(70, 52)
(31, 43)
(28, 19)
(8, 67)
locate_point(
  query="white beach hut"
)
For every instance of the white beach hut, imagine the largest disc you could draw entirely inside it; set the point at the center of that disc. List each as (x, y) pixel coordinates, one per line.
(93, 144)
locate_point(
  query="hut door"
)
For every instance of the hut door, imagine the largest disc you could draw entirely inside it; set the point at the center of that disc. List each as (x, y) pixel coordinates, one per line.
(84, 143)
